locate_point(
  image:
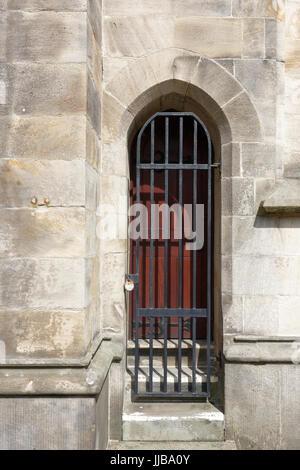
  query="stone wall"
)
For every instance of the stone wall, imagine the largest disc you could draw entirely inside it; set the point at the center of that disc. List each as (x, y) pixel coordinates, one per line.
(50, 86)
(65, 132)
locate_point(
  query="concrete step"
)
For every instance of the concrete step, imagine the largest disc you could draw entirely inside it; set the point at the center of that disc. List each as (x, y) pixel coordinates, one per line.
(172, 421)
(158, 349)
(134, 445)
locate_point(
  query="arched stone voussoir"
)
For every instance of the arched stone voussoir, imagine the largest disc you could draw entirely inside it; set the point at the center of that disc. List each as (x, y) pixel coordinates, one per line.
(243, 119)
(215, 81)
(173, 64)
(116, 119)
(132, 81)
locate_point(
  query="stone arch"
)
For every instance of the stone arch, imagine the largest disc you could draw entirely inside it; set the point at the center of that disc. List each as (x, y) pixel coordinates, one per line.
(186, 81)
(143, 87)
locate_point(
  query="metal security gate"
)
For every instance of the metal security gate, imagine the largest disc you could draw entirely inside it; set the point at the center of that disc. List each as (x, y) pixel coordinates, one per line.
(172, 283)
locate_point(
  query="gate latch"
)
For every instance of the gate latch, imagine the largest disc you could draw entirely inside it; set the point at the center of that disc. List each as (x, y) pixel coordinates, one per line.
(217, 165)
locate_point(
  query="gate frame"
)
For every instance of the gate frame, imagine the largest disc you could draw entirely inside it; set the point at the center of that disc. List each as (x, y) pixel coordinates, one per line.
(179, 312)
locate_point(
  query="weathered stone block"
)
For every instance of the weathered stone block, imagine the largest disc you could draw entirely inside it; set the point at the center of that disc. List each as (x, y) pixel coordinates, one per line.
(261, 315)
(174, 64)
(232, 309)
(93, 147)
(292, 122)
(259, 8)
(215, 81)
(138, 78)
(94, 106)
(258, 160)
(40, 336)
(94, 10)
(211, 8)
(116, 118)
(253, 38)
(61, 182)
(51, 233)
(290, 411)
(46, 37)
(250, 275)
(115, 159)
(136, 7)
(259, 77)
(136, 36)
(266, 236)
(102, 417)
(3, 32)
(231, 159)
(94, 59)
(38, 283)
(245, 124)
(292, 94)
(47, 424)
(252, 405)
(211, 37)
(92, 192)
(49, 89)
(56, 5)
(115, 191)
(7, 93)
(227, 64)
(43, 137)
(275, 39)
(237, 196)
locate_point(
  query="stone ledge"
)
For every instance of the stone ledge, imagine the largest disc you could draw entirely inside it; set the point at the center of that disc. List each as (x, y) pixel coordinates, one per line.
(259, 349)
(284, 200)
(62, 381)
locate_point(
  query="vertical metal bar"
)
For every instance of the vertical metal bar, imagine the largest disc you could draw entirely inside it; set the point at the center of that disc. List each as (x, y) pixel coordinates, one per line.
(209, 267)
(151, 356)
(166, 219)
(151, 212)
(166, 320)
(137, 269)
(151, 256)
(180, 320)
(195, 253)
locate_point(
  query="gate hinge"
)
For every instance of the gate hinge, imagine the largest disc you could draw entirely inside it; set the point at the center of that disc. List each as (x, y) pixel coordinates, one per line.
(216, 165)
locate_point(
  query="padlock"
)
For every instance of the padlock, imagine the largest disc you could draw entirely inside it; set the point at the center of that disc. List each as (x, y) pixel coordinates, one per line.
(129, 285)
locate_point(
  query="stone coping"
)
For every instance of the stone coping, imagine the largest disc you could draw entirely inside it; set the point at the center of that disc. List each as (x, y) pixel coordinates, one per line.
(85, 381)
(259, 349)
(284, 200)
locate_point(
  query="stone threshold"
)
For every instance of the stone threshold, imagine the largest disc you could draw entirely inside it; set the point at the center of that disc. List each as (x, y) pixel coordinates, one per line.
(171, 445)
(85, 381)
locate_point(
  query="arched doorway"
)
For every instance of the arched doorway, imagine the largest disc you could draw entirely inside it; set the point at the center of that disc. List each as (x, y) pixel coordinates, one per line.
(171, 253)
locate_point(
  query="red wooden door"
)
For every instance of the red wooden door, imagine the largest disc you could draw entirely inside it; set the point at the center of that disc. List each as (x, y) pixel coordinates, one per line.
(159, 194)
